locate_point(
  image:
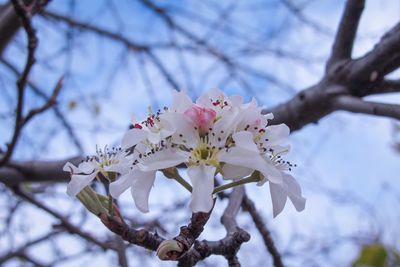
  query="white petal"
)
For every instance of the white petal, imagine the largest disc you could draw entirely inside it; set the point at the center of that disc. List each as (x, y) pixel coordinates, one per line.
(88, 167)
(234, 172)
(212, 94)
(132, 137)
(236, 100)
(122, 184)
(163, 159)
(180, 102)
(224, 127)
(276, 134)
(121, 168)
(278, 197)
(154, 137)
(120, 164)
(294, 192)
(202, 178)
(69, 167)
(269, 116)
(185, 132)
(246, 154)
(245, 140)
(78, 182)
(141, 189)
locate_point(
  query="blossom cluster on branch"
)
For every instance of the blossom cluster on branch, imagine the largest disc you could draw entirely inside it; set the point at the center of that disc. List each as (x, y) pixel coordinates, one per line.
(215, 135)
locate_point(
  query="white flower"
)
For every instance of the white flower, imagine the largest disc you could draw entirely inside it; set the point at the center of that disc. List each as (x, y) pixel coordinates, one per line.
(83, 175)
(273, 142)
(280, 192)
(153, 129)
(206, 149)
(217, 134)
(146, 159)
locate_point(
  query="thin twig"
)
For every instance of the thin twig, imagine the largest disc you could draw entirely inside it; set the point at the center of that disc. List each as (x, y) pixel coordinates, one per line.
(25, 13)
(40, 92)
(249, 206)
(25, 18)
(63, 220)
(18, 251)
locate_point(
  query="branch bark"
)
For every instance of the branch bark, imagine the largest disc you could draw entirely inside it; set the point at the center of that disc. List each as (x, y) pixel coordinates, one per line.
(15, 173)
(229, 245)
(25, 12)
(9, 25)
(249, 206)
(357, 105)
(63, 220)
(346, 33)
(141, 237)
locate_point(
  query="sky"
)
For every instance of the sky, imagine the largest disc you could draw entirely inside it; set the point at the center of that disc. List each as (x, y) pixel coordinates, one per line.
(345, 159)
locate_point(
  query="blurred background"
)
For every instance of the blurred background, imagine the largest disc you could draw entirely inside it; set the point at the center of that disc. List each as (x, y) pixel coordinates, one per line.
(120, 57)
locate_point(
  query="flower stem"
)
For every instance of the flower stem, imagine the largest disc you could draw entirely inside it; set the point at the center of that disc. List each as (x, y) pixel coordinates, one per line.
(172, 173)
(183, 182)
(110, 205)
(250, 179)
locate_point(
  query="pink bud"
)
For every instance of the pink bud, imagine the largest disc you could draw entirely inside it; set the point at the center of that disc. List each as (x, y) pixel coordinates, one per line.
(201, 117)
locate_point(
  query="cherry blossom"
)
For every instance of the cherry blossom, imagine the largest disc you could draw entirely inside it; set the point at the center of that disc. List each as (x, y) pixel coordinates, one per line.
(216, 134)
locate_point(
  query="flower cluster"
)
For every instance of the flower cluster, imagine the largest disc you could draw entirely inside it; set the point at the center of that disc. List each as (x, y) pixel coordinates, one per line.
(215, 135)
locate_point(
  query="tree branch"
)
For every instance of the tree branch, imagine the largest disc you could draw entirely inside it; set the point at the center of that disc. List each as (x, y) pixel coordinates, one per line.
(357, 105)
(9, 25)
(39, 92)
(179, 245)
(142, 237)
(63, 220)
(48, 104)
(387, 86)
(21, 249)
(102, 32)
(25, 18)
(229, 245)
(15, 173)
(381, 60)
(249, 206)
(346, 33)
(25, 13)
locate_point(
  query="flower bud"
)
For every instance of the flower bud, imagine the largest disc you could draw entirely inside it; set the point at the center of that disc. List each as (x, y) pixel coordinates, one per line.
(202, 117)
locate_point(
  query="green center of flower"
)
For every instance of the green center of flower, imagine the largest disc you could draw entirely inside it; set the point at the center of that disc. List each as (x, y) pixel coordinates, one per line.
(204, 153)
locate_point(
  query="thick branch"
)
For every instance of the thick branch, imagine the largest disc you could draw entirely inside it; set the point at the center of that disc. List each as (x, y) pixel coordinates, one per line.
(382, 60)
(15, 173)
(9, 25)
(307, 106)
(387, 86)
(357, 105)
(346, 33)
(141, 237)
(229, 245)
(179, 245)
